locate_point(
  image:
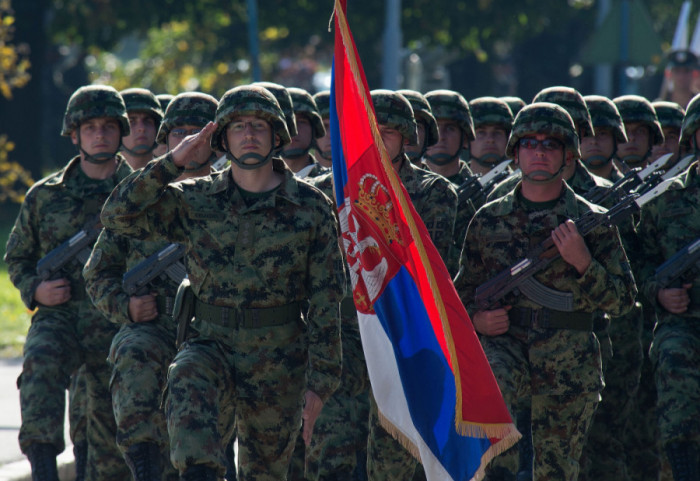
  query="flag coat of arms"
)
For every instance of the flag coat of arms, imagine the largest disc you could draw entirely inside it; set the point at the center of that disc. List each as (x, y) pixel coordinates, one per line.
(430, 378)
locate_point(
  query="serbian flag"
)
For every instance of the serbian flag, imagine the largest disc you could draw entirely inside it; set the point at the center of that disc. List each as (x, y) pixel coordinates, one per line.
(431, 380)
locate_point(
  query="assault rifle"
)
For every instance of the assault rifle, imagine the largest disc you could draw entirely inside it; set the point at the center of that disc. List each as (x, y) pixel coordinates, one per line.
(633, 179)
(679, 265)
(166, 261)
(518, 278)
(77, 247)
(478, 186)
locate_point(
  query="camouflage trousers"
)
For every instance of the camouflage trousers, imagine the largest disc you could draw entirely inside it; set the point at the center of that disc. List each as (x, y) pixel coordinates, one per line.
(77, 407)
(338, 443)
(387, 459)
(140, 355)
(52, 352)
(256, 384)
(605, 452)
(675, 357)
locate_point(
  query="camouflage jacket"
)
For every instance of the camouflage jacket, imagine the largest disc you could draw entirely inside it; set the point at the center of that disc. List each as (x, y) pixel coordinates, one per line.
(435, 200)
(313, 169)
(502, 233)
(584, 182)
(667, 224)
(112, 256)
(281, 249)
(55, 209)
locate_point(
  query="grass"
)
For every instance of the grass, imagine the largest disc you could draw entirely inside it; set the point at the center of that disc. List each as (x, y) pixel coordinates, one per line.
(14, 316)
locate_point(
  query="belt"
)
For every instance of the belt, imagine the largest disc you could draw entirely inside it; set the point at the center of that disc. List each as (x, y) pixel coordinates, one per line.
(165, 305)
(550, 319)
(247, 318)
(347, 307)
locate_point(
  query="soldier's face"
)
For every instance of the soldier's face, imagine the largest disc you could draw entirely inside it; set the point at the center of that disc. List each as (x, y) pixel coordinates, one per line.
(450, 140)
(324, 143)
(490, 139)
(304, 133)
(393, 141)
(602, 144)
(177, 134)
(249, 134)
(541, 153)
(99, 135)
(639, 137)
(143, 132)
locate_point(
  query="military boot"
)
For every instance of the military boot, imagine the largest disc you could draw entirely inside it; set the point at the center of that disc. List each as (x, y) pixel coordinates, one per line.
(143, 460)
(199, 473)
(80, 455)
(684, 458)
(42, 457)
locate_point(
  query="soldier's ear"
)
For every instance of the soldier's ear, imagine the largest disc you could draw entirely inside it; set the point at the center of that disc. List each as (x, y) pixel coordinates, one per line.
(516, 152)
(278, 141)
(74, 136)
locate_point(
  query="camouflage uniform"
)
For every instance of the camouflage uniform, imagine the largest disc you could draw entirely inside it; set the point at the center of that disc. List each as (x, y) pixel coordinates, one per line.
(667, 224)
(557, 369)
(77, 420)
(450, 105)
(435, 202)
(634, 108)
(63, 337)
(305, 105)
(253, 269)
(490, 111)
(141, 351)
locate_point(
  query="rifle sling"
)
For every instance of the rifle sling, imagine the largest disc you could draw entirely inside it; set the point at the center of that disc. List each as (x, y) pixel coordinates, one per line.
(550, 319)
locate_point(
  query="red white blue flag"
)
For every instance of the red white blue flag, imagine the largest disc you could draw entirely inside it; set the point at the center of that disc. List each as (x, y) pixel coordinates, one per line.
(431, 380)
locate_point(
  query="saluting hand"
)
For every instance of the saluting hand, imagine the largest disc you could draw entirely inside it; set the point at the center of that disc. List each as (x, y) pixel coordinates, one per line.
(194, 150)
(572, 246)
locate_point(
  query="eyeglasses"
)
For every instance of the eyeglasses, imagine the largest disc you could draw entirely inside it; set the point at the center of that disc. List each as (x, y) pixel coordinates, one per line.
(255, 126)
(549, 144)
(182, 133)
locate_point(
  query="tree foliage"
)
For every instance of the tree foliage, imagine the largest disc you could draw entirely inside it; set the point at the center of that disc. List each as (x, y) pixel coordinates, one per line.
(14, 65)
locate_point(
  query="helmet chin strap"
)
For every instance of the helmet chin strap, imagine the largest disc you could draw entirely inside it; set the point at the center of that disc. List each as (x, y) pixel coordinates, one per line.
(140, 149)
(444, 159)
(597, 160)
(259, 160)
(489, 160)
(98, 158)
(297, 152)
(548, 177)
(633, 161)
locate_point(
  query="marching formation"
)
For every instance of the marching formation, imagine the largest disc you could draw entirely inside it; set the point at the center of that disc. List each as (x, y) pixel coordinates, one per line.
(189, 286)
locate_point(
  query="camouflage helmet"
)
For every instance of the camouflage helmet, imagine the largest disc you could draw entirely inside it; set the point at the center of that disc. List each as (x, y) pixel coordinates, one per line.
(670, 114)
(635, 108)
(450, 105)
(514, 103)
(164, 100)
(304, 104)
(572, 101)
(187, 108)
(323, 103)
(691, 121)
(94, 101)
(285, 102)
(491, 111)
(393, 110)
(604, 114)
(544, 118)
(142, 100)
(423, 112)
(249, 100)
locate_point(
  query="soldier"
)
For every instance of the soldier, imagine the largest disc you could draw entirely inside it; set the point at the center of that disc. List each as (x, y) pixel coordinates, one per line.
(642, 128)
(145, 345)
(323, 144)
(145, 115)
(435, 201)
(262, 246)
(668, 223)
(427, 127)
(456, 130)
(691, 123)
(682, 68)
(67, 331)
(670, 117)
(599, 149)
(164, 100)
(297, 154)
(548, 357)
(492, 123)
